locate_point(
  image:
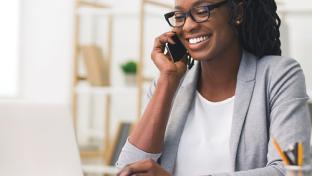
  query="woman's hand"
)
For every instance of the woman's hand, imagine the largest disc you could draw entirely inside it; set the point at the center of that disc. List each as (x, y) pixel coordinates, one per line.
(167, 68)
(143, 168)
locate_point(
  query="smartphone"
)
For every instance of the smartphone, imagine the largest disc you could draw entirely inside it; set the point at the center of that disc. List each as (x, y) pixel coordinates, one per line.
(176, 51)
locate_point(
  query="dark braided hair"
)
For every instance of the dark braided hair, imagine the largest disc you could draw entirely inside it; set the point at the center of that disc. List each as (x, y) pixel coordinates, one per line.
(259, 31)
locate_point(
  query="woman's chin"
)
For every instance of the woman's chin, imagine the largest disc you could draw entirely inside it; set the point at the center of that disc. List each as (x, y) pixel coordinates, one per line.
(200, 57)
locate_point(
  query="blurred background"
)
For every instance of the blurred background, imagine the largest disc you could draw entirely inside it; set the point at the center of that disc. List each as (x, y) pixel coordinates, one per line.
(92, 59)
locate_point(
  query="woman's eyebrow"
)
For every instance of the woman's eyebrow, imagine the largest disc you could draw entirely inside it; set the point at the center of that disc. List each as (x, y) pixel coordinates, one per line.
(198, 2)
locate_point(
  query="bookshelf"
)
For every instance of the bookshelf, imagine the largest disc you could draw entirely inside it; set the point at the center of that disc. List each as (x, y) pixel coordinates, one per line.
(94, 53)
(141, 78)
(107, 90)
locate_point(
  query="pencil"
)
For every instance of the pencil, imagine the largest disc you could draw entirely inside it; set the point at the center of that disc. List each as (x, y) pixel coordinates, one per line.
(291, 162)
(280, 152)
(295, 152)
(300, 154)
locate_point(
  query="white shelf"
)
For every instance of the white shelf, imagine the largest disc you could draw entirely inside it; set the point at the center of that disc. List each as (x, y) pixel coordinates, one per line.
(115, 12)
(91, 11)
(295, 10)
(99, 169)
(96, 133)
(105, 90)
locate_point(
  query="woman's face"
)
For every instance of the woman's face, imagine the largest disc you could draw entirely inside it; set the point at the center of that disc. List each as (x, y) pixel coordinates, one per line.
(211, 39)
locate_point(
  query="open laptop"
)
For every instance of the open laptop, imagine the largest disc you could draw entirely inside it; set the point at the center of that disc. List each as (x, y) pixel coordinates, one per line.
(37, 140)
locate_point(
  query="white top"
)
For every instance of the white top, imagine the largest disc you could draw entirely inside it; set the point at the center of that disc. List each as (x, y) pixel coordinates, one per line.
(204, 144)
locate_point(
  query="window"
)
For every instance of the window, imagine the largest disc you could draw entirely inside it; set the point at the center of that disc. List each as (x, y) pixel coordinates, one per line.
(9, 30)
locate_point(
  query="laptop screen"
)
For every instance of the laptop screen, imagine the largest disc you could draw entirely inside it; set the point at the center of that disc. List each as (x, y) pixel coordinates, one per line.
(36, 140)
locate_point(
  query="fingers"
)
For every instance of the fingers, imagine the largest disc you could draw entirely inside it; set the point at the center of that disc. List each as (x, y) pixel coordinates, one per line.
(130, 172)
(165, 38)
(138, 168)
(163, 61)
(144, 168)
(142, 174)
(181, 65)
(159, 48)
(161, 40)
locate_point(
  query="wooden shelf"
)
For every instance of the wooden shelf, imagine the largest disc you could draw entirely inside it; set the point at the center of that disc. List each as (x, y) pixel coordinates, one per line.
(88, 7)
(91, 154)
(94, 11)
(148, 79)
(77, 79)
(82, 78)
(158, 3)
(140, 69)
(83, 3)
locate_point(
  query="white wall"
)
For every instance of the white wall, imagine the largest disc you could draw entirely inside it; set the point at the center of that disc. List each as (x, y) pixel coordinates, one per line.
(46, 50)
(300, 43)
(9, 44)
(297, 20)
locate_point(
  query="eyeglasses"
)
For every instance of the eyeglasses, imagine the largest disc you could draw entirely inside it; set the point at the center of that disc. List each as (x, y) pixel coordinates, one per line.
(198, 14)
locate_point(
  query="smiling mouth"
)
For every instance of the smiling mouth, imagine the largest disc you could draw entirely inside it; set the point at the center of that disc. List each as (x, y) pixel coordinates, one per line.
(200, 39)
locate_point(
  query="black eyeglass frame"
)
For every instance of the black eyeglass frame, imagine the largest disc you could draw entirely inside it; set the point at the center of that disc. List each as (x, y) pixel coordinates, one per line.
(209, 8)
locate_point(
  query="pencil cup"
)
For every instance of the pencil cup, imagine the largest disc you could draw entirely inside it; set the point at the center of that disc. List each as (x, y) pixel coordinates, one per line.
(298, 170)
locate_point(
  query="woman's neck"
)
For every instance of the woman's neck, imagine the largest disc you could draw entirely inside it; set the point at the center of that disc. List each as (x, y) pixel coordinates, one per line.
(217, 79)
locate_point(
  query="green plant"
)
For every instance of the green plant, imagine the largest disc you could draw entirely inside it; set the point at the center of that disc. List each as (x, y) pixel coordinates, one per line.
(129, 67)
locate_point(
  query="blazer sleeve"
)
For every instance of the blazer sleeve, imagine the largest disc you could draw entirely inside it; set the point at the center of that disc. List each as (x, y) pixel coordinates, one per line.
(130, 153)
(289, 117)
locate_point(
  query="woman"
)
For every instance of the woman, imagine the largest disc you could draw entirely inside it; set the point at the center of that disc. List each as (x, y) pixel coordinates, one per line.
(219, 117)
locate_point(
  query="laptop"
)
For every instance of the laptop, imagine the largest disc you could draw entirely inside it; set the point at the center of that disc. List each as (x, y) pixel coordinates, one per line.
(37, 140)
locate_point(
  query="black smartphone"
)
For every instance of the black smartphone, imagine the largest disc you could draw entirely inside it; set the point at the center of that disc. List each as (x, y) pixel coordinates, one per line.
(176, 51)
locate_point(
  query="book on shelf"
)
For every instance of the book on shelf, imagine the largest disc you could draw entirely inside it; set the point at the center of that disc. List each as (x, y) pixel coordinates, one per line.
(96, 65)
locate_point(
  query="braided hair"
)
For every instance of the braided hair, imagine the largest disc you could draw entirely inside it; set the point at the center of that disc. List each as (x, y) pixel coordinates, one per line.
(259, 31)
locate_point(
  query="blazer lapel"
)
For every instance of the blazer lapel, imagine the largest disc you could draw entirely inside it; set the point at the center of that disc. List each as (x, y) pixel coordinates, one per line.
(179, 113)
(244, 90)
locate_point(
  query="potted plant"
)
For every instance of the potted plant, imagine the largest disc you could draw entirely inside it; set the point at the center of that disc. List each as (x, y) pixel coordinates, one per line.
(130, 69)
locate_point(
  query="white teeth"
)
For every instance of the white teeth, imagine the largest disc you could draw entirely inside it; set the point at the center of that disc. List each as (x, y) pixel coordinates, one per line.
(198, 39)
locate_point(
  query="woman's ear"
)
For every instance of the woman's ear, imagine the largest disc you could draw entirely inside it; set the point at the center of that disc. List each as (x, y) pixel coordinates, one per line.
(239, 13)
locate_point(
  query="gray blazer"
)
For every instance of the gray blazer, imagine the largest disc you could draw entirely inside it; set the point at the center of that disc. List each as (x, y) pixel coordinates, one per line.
(270, 101)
